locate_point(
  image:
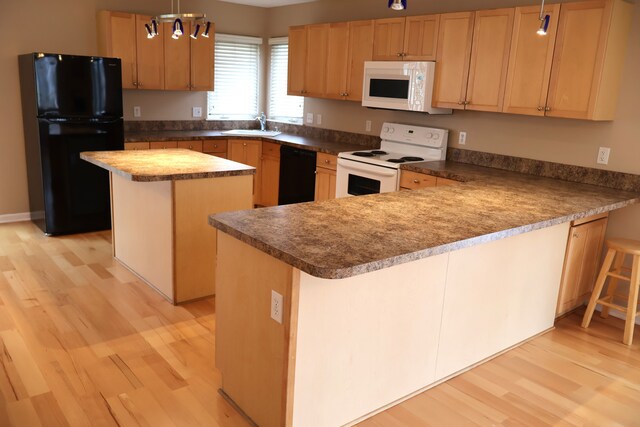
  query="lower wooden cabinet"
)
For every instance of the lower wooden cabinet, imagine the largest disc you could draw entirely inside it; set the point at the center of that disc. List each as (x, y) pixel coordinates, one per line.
(325, 177)
(163, 144)
(215, 147)
(136, 145)
(191, 145)
(248, 152)
(414, 180)
(581, 262)
(270, 174)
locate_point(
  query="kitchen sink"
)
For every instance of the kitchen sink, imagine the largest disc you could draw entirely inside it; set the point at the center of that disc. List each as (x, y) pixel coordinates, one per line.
(251, 132)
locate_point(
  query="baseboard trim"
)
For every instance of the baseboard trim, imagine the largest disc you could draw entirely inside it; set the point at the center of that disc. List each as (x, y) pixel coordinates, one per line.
(19, 217)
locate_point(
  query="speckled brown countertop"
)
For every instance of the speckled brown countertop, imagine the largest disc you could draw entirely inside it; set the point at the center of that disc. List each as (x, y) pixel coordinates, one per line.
(345, 237)
(311, 144)
(165, 165)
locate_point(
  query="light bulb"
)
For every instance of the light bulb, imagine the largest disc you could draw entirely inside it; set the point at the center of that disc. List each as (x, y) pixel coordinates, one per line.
(195, 33)
(544, 24)
(149, 32)
(206, 30)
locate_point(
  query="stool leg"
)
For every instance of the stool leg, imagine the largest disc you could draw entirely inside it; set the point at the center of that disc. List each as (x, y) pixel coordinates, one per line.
(632, 306)
(597, 289)
(613, 283)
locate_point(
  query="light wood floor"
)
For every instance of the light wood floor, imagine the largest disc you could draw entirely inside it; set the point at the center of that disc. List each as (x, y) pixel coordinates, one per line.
(82, 342)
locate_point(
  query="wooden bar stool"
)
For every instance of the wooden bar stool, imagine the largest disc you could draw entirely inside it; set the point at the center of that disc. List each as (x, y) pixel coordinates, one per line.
(618, 249)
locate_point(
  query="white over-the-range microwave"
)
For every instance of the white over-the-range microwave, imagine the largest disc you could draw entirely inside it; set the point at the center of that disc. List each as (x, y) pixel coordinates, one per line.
(399, 85)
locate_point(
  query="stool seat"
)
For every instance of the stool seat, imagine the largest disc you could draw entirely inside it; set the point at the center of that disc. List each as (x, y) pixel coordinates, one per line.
(617, 250)
(625, 245)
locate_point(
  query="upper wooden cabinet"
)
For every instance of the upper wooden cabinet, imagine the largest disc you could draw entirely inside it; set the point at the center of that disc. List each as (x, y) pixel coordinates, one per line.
(297, 60)
(160, 62)
(315, 75)
(453, 56)
(412, 38)
(345, 67)
(530, 61)
(588, 59)
(116, 38)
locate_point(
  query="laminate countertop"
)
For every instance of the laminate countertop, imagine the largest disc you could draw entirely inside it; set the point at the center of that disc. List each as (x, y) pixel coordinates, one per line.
(308, 143)
(165, 165)
(345, 237)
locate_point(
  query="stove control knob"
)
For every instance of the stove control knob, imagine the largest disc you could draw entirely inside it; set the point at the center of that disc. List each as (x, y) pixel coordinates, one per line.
(391, 130)
(429, 135)
(386, 129)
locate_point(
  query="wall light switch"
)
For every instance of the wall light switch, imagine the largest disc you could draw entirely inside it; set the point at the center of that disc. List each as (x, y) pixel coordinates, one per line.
(137, 112)
(197, 111)
(310, 118)
(367, 125)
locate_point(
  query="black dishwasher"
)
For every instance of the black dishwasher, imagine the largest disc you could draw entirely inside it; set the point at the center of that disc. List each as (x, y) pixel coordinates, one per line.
(297, 175)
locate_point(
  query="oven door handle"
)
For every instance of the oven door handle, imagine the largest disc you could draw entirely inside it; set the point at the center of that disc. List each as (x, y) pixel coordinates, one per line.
(377, 170)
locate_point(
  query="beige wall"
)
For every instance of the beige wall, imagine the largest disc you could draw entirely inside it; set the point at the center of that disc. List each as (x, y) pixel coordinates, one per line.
(69, 26)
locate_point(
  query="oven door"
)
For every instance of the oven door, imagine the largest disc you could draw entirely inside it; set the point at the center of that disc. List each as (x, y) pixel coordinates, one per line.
(356, 179)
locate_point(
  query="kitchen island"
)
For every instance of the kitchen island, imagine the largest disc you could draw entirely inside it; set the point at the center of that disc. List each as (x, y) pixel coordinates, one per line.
(387, 295)
(160, 200)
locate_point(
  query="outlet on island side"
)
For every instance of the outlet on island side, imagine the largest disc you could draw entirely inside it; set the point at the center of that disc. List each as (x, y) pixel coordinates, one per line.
(276, 306)
(603, 155)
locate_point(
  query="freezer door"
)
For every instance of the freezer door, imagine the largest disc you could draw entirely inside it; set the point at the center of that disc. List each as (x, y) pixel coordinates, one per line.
(76, 193)
(77, 86)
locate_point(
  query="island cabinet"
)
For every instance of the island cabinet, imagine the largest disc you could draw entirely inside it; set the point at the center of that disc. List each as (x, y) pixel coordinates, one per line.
(413, 38)
(160, 200)
(345, 67)
(588, 58)
(473, 55)
(270, 171)
(325, 177)
(248, 152)
(581, 262)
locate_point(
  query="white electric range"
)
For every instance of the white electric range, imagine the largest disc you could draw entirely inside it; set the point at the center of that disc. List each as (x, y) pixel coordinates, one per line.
(378, 171)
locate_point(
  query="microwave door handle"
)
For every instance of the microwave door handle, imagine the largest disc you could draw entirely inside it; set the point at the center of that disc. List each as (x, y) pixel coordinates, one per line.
(382, 171)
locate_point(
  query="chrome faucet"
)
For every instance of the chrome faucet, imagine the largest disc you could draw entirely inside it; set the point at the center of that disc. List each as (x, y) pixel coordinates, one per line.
(263, 121)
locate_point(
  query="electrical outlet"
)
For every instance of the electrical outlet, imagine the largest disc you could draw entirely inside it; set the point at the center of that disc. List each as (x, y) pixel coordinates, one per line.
(276, 306)
(197, 111)
(310, 118)
(319, 119)
(603, 155)
(462, 138)
(367, 125)
(137, 112)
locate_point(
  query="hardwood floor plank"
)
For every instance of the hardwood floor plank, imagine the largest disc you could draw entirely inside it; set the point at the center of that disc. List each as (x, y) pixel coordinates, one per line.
(22, 413)
(49, 412)
(28, 370)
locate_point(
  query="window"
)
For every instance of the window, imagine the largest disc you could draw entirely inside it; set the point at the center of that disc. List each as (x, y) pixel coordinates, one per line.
(236, 94)
(282, 106)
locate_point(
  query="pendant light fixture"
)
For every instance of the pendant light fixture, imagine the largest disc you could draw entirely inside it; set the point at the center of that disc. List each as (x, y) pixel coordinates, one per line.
(397, 4)
(544, 21)
(177, 18)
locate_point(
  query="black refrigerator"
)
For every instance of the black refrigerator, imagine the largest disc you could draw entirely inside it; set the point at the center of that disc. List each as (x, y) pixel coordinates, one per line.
(70, 104)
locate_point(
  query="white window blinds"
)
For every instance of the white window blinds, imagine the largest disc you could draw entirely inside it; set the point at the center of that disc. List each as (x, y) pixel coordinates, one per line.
(237, 78)
(282, 106)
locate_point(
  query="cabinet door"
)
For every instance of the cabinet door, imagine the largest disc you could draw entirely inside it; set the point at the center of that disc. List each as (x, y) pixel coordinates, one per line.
(117, 39)
(191, 145)
(325, 184)
(453, 56)
(297, 60)
(388, 39)
(253, 150)
(360, 50)
(202, 54)
(421, 37)
(577, 61)
(315, 77)
(582, 258)
(236, 151)
(415, 180)
(337, 60)
(177, 70)
(270, 170)
(489, 59)
(150, 57)
(136, 145)
(530, 61)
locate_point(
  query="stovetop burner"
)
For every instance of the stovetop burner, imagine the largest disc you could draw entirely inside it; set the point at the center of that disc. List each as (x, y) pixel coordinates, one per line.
(411, 159)
(363, 154)
(396, 160)
(379, 152)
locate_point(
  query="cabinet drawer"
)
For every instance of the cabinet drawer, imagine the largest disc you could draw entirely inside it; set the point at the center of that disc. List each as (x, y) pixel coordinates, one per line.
(271, 149)
(163, 144)
(440, 182)
(327, 161)
(214, 146)
(414, 180)
(136, 145)
(191, 145)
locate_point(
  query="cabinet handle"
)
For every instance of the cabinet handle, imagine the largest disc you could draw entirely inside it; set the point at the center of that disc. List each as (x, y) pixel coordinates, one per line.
(135, 84)
(460, 102)
(540, 108)
(139, 84)
(399, 54)
(244, 143)
(467, 102)
(191, 147)
(215, 145)
(576, 235)
(547, 108)
(327, 161)
(316, 171)
(416, 181)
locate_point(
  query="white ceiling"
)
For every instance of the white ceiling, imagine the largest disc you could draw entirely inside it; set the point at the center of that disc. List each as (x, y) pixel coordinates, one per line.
(267, 3)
